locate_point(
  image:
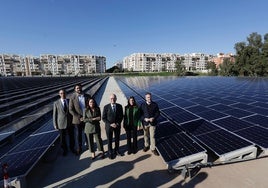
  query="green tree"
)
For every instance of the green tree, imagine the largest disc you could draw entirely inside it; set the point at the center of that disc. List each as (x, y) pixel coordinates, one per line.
(211, 67)
(180, 68)
(264, 54)
(252, 57)
(228, 68)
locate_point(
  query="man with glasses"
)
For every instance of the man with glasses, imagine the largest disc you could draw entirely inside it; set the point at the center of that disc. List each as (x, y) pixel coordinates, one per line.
(112, 116)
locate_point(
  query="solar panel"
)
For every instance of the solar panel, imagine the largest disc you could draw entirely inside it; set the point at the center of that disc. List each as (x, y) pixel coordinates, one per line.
(256, 134)
(169, 96)
(166, 129)
(209, 109)
(242, 100)
(199, 127)
(259, 110)
(203, 102)
(258, 119)
(25, 155)
(242, 106)
(260, 104)
(197, 108)
(172, 110)
(37, 141)
(232, 123)
(222, 101)
(177, 146)
(182, 103)
(238, 113)
(220, 107)
(163, 103)
(183, 117)
(21, 162)
(211, 115)
(161, 118)
(222, 141)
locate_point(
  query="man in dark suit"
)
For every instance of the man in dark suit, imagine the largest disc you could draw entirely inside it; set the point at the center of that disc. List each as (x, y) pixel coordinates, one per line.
(77, 105)
(112, 116)
(62, 119)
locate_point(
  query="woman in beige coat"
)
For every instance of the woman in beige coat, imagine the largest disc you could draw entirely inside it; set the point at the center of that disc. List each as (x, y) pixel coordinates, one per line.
(92, 117)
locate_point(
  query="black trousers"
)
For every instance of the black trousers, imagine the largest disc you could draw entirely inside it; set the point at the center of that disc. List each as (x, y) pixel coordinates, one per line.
(110, 131)
(132, 144)
(63, 139)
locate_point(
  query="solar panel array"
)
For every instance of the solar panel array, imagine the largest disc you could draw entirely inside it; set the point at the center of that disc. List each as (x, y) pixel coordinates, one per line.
(169, 148)
(223, 114)
(23, 157)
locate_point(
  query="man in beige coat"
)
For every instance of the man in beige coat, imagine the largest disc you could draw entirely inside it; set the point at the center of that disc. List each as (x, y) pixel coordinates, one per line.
(76, 106)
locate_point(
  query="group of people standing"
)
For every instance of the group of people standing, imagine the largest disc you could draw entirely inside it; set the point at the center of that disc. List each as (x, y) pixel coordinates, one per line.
(80, 113)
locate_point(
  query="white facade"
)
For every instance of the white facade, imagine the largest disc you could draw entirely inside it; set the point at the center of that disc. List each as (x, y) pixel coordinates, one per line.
(196, 61)
(51, 64)
(151, 62)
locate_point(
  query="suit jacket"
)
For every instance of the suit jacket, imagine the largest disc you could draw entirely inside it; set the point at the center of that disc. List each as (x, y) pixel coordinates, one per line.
(109, 116)
(92, 126)
(61, 119)
(75, 109)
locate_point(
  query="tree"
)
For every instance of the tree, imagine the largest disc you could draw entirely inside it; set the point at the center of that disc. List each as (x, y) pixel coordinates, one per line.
(180, 68)
(252, 57)
(228, 68)
(211, 67)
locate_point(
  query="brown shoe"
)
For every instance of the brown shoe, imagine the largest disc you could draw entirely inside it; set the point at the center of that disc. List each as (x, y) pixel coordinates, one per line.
(145, 149)
(155, 152)
(102, 155)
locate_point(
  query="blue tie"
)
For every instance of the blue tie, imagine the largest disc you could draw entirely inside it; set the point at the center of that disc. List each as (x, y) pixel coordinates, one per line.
(64, 105)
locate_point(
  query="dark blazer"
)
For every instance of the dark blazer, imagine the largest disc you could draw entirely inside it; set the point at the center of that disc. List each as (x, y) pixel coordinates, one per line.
(109, 117)
(61, 119)
(75, 109)
(145, 114)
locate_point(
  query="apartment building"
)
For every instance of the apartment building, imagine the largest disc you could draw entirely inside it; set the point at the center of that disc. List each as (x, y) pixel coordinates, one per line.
(196, 61)
(220, 57)
(150, 62)
(49, 64)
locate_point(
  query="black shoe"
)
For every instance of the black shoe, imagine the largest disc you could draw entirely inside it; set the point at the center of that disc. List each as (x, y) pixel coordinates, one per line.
(155, 152)
(117, 153)
(145, 149)
(111, 156)
(129, 152)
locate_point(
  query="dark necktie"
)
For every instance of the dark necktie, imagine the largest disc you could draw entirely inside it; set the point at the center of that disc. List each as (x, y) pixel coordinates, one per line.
(64, 105)
(114, 108)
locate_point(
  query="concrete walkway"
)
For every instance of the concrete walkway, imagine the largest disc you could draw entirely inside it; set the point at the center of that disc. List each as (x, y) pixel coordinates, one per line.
(140, 170)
